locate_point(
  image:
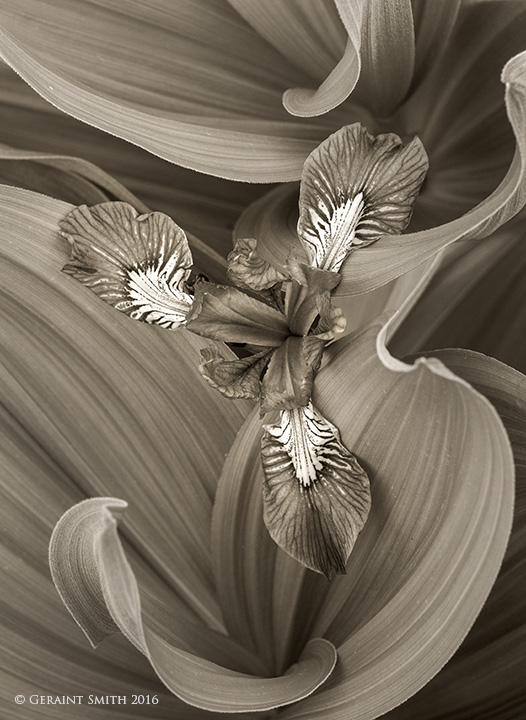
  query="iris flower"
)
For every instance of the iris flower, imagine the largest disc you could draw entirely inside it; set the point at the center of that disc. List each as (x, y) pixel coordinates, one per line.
(165, 538)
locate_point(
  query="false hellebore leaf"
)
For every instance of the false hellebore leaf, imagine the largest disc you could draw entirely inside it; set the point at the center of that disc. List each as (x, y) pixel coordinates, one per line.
(140, 264)
(354, 188)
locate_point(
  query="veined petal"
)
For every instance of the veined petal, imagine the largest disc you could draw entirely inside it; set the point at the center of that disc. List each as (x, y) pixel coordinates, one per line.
(316, 495)
(355, 188)
(248, 270)
(98, 586)
(239, 377)
(289, 376)
(390, 256)
(227, 314)
(137, 263)
(273, 220)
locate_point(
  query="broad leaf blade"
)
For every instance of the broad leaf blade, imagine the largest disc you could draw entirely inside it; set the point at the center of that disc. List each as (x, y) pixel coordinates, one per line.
(486, 672)
(437, 530)
(76, 378)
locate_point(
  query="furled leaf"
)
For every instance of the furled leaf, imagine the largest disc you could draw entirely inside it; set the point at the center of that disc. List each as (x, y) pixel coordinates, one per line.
(316, 495)
(391, 256)
(387, 52)
(486, 672)
(183, 115)
(95, 398)
(227, 314)
(99, 588)
(138, 263)
(354, 188)
(205, 206)
(79, 169)
(336, 88)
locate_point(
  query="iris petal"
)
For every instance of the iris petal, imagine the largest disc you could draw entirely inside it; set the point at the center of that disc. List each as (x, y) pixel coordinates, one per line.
(139, 264)
(316, 495)
(354, 188)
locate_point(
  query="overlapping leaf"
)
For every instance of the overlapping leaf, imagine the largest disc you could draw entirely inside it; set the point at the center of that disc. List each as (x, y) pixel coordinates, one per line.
(429, 552)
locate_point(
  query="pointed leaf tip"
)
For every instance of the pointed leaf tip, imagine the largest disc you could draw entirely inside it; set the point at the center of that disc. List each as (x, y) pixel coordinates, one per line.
(316, 495)
(139, 264)
(74, 564)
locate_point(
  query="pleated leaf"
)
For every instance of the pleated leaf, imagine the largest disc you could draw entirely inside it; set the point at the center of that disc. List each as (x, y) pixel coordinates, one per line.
(271, 219)
(391, 256)
(102, 396)
(182, 66)
(485, 675)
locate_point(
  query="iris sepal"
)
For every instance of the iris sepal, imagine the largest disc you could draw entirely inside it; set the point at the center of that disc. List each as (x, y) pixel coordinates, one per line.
(316, 495)
(355, 188)
(140, 264)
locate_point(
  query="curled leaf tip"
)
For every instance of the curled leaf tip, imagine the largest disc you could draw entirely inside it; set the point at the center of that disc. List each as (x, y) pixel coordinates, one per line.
(139, 264)
(316, 494)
